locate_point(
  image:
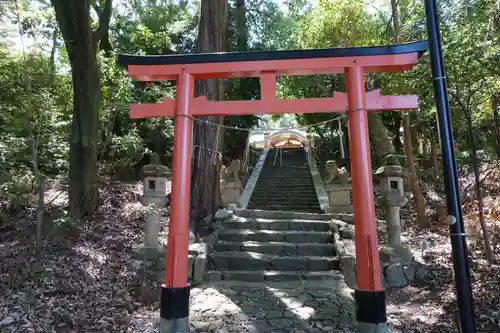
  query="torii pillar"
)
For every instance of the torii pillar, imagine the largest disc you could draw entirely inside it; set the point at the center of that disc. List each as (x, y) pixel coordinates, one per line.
(354, 63)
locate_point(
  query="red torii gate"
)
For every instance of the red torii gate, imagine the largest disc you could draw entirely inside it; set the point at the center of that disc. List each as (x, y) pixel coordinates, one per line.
(353, 62)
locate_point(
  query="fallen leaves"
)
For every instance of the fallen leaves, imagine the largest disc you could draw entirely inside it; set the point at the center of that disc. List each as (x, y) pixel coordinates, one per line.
(430, 305)
(83, 283)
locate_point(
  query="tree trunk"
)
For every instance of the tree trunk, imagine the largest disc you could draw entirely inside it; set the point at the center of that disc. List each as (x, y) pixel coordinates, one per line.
(53, 52)
(434, 157)
(205, 190)
(380, 137)
(397, 140)
(422, 220)
(83, 193)
(495, 106)
(479, 194)
(81, 44)
(241, 26)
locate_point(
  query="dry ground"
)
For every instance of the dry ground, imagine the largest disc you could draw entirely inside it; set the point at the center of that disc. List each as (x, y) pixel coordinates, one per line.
(86, 281)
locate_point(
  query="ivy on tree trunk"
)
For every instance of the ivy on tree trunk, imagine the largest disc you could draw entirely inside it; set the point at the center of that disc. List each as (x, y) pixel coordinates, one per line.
(82, 44)
(205, 190)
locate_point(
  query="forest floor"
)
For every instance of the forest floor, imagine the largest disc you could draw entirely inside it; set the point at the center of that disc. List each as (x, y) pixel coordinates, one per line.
(86, 280)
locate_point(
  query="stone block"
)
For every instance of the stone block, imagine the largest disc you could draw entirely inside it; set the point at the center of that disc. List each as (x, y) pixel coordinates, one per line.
(339, 248)
(347, 233)
(348, 264)
(208, 219)
(421, 271)
(223, 214)
(289, 263)
(316, 237)
(268, 237)
(149, 253)
(254, 276)
(395, 275)
(334, 226)
(212, 276)
(250, 263)
(227, 246)
(339, 194)
(272, 225)
(409, 272)
(399, 254)
(230, 192)
(199, 267)
(191, 260)
(218, 261)
(198, 248)
(283, 276)
(233, 236)
(321, 264)
(315, 249)
(210, 240)
(284, 249)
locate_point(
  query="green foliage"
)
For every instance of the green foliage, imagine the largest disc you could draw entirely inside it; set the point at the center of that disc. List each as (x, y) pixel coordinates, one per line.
(46, 111)
(470, 39)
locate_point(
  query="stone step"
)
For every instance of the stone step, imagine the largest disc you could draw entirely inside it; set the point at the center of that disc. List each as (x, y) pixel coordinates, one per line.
(262, 193)
(346, 209)
(285, 182)
(280, 188)
(273, 276)
(243, 261)
(299, 177)
(346, 217)
(285, 199)
(270, 193)
(285, 190)
(306, 201)
(278, 248)
(277, 224)
(301, 174)
(283, 186)
(294, 207)
(266, 214)
(299, 170)
(286, 207)
(243, 235)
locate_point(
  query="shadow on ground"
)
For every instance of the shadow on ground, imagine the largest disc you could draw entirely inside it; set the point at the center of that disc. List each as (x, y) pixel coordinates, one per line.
(256, 307)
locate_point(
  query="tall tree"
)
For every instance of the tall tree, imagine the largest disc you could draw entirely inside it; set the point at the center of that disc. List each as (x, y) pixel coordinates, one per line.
(241, 26)
(82, 44)
(422, 220)
(205, 190)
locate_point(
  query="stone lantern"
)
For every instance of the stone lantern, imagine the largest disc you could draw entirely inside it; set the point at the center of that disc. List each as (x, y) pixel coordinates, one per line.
(339, 189)
(154, 199)
(393, 197)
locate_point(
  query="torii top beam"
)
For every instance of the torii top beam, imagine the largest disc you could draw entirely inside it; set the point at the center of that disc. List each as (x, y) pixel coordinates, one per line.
(268, 65)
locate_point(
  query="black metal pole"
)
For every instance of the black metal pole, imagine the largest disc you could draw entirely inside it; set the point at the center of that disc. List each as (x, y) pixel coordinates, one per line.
(455, 218)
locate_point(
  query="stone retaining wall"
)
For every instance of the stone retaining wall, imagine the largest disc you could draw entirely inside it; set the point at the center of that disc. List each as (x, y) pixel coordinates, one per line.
(197, 256)
(397, 265)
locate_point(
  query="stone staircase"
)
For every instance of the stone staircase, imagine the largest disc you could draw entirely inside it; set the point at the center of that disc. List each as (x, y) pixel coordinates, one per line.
(275, 246)
(282, 235)
(285, 183)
